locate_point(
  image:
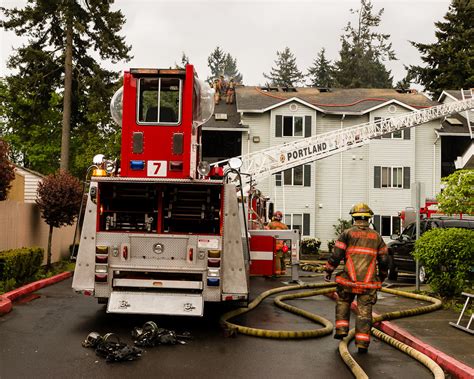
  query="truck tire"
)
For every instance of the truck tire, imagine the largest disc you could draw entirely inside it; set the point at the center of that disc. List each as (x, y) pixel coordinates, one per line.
(422, 275)
(392, 270)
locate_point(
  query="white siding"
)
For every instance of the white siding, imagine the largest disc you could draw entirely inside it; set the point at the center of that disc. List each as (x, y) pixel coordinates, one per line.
(31, 185)
(339, 181)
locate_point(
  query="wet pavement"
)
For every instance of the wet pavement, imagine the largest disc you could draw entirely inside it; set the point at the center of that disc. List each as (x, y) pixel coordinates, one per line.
(42, 339)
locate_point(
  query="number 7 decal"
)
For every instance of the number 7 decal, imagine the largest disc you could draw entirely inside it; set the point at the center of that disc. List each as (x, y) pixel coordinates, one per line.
(157, 168)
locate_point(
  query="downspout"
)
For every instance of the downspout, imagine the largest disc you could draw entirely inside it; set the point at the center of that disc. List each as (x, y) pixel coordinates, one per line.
(434, 163)
(340, 170)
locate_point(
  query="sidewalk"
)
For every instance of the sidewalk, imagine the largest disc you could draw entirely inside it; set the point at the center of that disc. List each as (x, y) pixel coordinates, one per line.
(430, 333)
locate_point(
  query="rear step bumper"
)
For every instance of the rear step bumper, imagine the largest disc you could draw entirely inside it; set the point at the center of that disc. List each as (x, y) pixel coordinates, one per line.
(156, 303)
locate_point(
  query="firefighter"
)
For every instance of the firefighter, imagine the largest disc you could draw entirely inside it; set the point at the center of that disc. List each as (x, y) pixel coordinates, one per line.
(217, 91)
(363, 250)
(230, 92)
(277, 224)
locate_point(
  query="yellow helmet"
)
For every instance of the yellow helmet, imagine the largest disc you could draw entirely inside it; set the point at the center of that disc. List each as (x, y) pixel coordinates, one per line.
(361, 210)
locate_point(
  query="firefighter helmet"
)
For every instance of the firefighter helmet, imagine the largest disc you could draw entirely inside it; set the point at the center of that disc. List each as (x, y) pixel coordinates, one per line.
(278, 216)
(361, 210)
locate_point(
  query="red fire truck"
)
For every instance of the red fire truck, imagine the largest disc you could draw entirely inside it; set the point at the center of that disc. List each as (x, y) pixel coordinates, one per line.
(159, 236)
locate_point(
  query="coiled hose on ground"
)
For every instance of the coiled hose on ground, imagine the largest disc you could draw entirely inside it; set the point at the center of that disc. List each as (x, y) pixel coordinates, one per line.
(326, 288)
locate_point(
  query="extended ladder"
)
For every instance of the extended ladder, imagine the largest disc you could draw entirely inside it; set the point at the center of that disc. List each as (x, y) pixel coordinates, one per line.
(266, 162)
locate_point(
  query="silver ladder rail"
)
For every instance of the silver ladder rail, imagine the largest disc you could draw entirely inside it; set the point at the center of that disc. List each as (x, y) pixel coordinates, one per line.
(263, 163)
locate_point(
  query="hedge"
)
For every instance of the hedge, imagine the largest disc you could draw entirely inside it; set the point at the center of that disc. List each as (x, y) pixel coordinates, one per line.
(20, 264)
(448, 258)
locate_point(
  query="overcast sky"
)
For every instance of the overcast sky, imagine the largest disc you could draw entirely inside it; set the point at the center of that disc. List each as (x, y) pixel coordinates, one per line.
(253, 31)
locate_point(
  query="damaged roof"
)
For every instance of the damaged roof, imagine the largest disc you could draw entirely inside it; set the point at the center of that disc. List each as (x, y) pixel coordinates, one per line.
(225, 116)
(334, 100)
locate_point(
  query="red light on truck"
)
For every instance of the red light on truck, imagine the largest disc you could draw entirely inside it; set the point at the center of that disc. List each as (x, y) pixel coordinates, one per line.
(100, 278)
(125, 252)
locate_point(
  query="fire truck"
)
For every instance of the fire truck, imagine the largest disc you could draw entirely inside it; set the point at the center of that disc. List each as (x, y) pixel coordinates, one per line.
(163, 231)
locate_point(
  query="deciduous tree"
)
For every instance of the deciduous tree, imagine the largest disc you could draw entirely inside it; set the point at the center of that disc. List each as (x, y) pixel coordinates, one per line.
(58, 198)
(285, 73)
(458, 193)
(449, 62)
(363, 51)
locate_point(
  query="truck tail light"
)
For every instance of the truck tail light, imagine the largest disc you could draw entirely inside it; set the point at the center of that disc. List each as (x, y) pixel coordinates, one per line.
(101, 259)
(100, 278)
(213, 262)
(213, 277)
(125, 252)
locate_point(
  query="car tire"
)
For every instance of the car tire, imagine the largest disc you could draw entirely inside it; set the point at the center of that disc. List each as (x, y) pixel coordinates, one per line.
(422, 275)
(392, 270)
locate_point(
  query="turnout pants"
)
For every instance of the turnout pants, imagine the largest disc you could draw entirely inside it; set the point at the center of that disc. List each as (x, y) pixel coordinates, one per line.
(364, 315)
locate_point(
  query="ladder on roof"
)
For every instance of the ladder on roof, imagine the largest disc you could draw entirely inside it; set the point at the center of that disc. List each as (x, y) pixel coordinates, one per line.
(469, 125)
(263, 163)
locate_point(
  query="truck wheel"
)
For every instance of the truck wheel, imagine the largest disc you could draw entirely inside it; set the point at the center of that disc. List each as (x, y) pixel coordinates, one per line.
(422, 275)
(392, 271)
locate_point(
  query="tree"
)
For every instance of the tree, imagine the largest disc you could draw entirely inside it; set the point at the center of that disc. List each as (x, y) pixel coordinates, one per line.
(222, 63)
(184, 61)
(58, 59)
(363, 51)
(449, 62)
(286, 73)
(321, 72)
(58, 198)
(7, 171)
(230, 69)
(458, 193)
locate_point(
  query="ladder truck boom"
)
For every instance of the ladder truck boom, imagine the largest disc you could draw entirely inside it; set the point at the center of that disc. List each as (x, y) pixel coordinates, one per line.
(263, 163)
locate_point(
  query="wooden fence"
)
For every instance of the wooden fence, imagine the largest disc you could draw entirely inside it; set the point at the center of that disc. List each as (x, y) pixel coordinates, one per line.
(21, 225)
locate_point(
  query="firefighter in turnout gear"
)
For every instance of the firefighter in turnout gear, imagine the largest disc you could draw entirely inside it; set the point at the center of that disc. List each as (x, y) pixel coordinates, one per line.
(363, 251)
(276, 224)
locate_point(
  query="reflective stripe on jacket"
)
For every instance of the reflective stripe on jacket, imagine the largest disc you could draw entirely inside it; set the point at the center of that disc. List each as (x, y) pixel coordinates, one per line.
(362, 249)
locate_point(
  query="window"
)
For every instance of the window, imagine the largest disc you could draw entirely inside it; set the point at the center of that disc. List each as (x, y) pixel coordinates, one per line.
(159, 101)
(391, 177)
(292, 126)
(300, 221)
(399, 134)
(387, 225)
(296, 176)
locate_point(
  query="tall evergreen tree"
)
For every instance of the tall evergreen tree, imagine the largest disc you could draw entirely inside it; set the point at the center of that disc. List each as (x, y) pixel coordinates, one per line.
(285, 73)
(230, 69)
(320, 73)
(58, 59)
(222, 63)
(363, 51)
(216, 63)
(449, 62)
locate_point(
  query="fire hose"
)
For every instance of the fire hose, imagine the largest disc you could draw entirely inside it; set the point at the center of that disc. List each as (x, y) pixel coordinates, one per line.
(326, 288)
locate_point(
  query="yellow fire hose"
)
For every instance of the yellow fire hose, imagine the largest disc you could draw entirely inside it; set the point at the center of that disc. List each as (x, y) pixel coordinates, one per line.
(325, 288)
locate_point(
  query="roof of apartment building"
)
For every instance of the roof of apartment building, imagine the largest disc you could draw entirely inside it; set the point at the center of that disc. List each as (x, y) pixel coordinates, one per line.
(454, 125)
(456, 94)
(225, 116)
(327, 100)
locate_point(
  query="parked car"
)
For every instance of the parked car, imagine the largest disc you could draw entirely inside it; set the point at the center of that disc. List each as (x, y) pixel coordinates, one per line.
(401, 248)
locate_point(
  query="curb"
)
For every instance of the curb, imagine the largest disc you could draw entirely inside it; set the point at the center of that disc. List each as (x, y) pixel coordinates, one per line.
(452, 366)
(7, 298)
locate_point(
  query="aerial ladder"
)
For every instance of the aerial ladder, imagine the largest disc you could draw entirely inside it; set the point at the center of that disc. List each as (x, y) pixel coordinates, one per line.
(263, 163)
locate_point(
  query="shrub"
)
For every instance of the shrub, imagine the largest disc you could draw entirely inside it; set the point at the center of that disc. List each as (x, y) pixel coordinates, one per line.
(20, 265)
(341, 226)
(448, 256)
(310, 245)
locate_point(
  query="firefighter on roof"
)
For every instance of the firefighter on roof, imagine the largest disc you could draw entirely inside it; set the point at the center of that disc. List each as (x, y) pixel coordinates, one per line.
(363, 251)
(280, 248)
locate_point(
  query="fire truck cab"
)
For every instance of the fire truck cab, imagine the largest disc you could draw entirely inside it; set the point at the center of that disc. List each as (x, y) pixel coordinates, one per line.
(159, 236)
